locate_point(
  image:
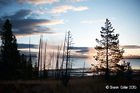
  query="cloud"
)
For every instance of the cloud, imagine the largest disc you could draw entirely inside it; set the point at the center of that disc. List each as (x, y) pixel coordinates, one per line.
(95, 21)
(22, 46)
(76, 48)
(113, 18)
(23, 24)
(21, 14)
(90, 22)
(37, 2)
(79, 8)
(26, 23)
(76, 0)
(33, 31)
(77, 52)
(130, 46)
(6, 2)
(83, 50)
(131, 57)
(40, 11)
(65, 8)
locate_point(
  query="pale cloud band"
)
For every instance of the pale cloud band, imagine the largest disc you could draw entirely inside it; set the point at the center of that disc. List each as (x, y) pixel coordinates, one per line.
(95, 21)
(82, 52)
(36, 2)
(130, 46)
(76, 0)
(90, 22)
(65, 8)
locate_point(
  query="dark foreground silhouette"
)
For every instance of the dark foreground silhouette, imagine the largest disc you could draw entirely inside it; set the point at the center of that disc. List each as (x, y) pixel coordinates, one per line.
(75, 85)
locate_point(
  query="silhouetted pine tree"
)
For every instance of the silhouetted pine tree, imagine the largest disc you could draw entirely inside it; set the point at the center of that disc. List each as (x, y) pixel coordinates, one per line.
(10, 54)
(23, 67)
(36, 71)
(29, 70)
(108, 52)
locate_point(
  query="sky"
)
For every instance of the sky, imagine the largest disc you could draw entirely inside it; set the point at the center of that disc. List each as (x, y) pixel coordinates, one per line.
(84, 18)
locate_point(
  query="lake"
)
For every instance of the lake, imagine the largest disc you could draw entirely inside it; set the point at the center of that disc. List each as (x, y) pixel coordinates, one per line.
(79, 62)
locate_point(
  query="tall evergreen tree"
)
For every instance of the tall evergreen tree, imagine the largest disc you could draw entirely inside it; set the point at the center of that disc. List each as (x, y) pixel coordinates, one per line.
(108, 52)
(10, 54)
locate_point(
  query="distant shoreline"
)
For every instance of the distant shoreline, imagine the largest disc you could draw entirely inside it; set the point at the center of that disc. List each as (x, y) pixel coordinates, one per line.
(133, 57)
(77, 56)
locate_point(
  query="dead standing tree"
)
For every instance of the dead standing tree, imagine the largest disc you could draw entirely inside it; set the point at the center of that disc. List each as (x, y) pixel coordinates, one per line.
(57, 70)
(40, 57)
(68, 43)
(44, 67)
(63, 56)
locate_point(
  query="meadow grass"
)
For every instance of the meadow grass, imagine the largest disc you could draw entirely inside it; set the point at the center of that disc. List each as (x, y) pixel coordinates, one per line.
(75, 85)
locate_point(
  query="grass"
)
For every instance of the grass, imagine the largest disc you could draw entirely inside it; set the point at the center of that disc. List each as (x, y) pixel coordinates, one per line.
(76, 85)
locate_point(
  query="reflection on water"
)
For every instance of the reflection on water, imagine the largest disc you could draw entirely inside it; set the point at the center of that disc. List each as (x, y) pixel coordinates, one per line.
(135, 63)
(79, 62)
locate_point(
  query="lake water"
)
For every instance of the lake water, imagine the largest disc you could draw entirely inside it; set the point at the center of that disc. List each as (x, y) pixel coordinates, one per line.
(79, 62)
(135, 63)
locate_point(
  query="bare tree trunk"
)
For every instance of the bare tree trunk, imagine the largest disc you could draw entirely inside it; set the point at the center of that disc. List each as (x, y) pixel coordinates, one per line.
(53, 64)
(39, 58)
(67, 58)
(57, 63)
(63, 54)
(107, 71)
(83, 69)
(45, 60)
